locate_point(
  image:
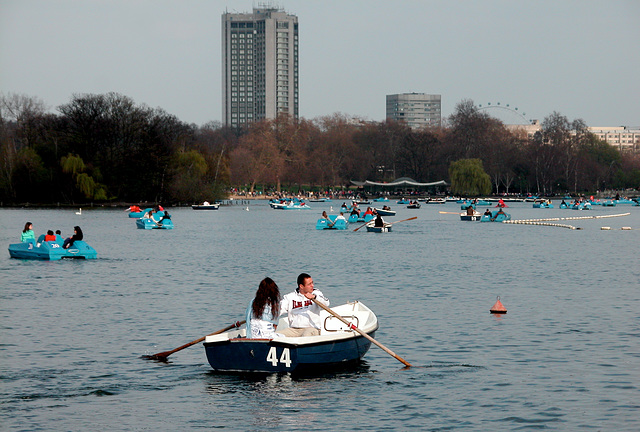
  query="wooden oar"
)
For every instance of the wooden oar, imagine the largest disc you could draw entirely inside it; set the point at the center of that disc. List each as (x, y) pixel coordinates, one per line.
(353, 327)
(444, 212)
(162, 356)
(367, 223)
(411, 218)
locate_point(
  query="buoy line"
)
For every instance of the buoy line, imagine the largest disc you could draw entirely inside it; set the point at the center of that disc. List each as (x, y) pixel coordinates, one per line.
(567, 218)
(535, 222)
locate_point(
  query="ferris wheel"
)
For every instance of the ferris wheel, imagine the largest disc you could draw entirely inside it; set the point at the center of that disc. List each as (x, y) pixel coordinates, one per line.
(505, 113)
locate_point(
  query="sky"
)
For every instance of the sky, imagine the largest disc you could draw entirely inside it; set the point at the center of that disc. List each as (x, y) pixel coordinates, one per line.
(580, 58)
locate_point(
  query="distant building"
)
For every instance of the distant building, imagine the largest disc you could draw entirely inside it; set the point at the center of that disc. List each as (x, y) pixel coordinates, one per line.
(259, 66)
(624, 138)
(417, 110)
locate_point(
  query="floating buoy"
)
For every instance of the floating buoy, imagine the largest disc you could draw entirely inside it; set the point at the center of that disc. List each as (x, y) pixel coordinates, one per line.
(626, 228)
(498, 308)
(605, 228)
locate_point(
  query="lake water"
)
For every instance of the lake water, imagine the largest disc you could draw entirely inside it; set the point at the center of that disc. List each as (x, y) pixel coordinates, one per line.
(565, 357)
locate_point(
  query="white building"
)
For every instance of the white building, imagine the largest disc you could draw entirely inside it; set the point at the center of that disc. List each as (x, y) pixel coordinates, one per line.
(624, 138)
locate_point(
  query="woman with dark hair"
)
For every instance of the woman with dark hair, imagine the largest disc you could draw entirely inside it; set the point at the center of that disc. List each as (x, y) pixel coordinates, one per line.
(263, 311)
(77, 235)
(27, 233)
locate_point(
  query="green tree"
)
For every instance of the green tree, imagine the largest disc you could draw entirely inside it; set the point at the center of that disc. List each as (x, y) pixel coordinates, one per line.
(468, 178)
(84, 183)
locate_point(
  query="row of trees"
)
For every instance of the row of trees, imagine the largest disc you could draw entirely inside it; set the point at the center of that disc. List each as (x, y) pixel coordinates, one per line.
(106, 147)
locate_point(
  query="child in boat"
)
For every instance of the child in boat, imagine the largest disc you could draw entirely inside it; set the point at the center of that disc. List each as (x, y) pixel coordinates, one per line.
(50, 236)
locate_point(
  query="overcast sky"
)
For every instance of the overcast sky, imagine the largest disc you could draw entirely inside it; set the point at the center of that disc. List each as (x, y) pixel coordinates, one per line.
(580, 58)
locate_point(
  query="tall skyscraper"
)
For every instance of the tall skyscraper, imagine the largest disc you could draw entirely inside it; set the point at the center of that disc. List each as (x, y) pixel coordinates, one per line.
(417, 110)
(260, 66)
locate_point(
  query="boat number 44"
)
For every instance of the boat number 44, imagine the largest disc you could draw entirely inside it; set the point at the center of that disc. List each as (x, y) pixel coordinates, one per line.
(285, 357)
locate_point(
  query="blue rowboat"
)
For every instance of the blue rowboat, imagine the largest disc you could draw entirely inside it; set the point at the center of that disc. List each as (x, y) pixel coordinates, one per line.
(337, 345)
(495, 217)
(543, 204)
(382, 229)
(340, 224)
(382, 212)
(403, 201)
(51, 250)
(474, 217)
(381, 199)
(147, 223)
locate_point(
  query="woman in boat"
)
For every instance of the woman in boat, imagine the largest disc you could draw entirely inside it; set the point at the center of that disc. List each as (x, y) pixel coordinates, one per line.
(27, 233)
(262, 312)
(77, 235)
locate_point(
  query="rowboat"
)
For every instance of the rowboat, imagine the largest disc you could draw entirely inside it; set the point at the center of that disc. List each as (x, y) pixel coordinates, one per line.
(414, 206)
(340, 224)
(338, 345)
(378, 229)
(206, 206)
(51, 250)
(383, 212)
(542, 204)
(381, 199)
(495, 217)
(470, 217)
(290, 205)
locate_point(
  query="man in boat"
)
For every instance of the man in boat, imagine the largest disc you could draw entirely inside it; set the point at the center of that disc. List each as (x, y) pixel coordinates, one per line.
(379, 222)
(303, 313)
(500, 212)
(487, 213)
(470, 210)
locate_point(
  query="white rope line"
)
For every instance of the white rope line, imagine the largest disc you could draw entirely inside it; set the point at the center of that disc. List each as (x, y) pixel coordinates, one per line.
(532, 222)
(567, 218)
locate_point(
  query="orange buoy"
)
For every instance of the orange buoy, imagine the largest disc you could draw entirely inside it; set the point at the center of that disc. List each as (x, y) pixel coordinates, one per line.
(498, 308)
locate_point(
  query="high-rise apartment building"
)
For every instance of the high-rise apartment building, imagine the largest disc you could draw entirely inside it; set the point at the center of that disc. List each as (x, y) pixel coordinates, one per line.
(417, 110)
(259, 66)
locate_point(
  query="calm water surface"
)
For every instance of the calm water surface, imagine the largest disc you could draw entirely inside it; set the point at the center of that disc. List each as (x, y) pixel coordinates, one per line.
(565, 357)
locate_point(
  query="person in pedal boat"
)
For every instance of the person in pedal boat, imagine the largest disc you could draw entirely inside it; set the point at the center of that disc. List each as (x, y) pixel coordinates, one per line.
(28, 235)
(263, 311)
(303, 314)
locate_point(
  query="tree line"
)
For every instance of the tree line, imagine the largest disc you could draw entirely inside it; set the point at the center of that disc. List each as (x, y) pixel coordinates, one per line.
(106, 148)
